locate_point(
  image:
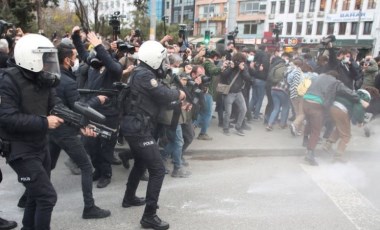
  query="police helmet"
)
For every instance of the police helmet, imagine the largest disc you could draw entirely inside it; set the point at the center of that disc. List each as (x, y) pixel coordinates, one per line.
(152, 53)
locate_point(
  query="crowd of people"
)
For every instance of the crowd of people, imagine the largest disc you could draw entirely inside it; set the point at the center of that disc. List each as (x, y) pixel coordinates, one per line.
(160, 95)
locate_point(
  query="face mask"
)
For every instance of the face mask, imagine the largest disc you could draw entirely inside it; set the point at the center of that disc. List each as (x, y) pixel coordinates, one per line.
(75, 66)
(175, 71)
(346, 60)
(286, 62)
(250, 58)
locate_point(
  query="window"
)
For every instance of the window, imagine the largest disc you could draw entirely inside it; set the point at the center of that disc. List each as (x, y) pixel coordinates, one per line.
(291, 6)
(282, 7)
(346, 5)
(271, 26)
(312, 6)
(273, 8)
(319, 28)
(342, 28)
(354, 28)
(167, 5)
(358, 4)
(309, 28)
(334, 5)
(367, 28)
(249, 7)
(371, 4)
(289, 26)
(250, 29)
(322, 6)
(330, 28)
(299, 28)
(302, 6)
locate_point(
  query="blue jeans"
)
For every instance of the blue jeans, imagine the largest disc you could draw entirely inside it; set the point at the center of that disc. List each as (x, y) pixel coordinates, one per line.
(174, 146)
(205, 114)
(258, 93)
(281, 101)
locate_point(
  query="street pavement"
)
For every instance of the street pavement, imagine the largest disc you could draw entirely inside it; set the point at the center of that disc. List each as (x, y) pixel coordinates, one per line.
(258, 181)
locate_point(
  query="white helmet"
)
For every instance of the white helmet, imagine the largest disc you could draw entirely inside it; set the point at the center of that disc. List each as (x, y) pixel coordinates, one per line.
(36, 53)
(152, 53)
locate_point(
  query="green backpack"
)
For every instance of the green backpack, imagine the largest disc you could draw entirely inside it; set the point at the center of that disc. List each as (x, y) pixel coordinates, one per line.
(277, 73)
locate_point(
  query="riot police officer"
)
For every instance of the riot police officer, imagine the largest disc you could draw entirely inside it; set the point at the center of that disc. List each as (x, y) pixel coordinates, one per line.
(147, 94)
(27, 95)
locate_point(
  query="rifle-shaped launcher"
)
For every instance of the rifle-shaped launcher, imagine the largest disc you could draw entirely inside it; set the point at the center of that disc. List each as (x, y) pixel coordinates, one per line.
(86, 116)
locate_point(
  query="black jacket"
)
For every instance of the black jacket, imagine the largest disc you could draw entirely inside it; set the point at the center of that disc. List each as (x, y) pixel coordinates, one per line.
(102, 78)
(229, 74)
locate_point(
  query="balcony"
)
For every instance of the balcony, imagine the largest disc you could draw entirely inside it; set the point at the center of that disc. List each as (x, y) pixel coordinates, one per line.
(310, 14)
(271, 16)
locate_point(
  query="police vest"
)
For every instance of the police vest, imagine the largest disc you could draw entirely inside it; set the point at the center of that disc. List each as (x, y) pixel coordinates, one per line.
(34, 99)
(136, 100)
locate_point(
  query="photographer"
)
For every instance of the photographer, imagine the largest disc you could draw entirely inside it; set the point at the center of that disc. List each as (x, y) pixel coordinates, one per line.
(238, 71)
(104, 71)
(345, 65)
(370, 70)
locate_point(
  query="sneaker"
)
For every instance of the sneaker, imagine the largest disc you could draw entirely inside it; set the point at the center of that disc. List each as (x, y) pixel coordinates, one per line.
(293, 129)
(246, 127)
(327, 146)
(136, 201)
(226, 132)
(339, 158)
(180, 173)
(95, 212)
(269, 128)
(103, 182)
(240, 132)
(204, 137)
(73, 167)
(7, 224)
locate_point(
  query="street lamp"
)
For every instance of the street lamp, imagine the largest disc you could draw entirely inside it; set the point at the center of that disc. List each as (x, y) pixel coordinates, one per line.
(360, 18)
(208, 13)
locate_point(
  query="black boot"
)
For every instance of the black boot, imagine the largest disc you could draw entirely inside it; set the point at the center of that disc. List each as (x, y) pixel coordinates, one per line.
(94, 212)
(6, 224)
(151, 220)
(124, 159)
(135, 201)
(311, 158)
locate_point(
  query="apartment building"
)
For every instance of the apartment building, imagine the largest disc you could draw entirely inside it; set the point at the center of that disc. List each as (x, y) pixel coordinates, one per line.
(304, 22)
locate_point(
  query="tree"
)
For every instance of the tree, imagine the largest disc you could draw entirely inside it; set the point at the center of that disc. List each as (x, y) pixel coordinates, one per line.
(19, 12)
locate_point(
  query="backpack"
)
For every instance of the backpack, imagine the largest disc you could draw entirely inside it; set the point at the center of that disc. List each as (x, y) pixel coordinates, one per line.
(277, 73)
(303, 86)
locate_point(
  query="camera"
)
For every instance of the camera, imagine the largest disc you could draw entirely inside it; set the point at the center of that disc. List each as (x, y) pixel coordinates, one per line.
(206, 80)
(114, 22)
(125, 47)
(4, 26)
(329, 38)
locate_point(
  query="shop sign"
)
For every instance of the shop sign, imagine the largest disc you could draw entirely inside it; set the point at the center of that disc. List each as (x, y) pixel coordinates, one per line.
(350, 16)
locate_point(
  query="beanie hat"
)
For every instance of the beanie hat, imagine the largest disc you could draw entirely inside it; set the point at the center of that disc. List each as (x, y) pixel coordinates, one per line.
(364, 95)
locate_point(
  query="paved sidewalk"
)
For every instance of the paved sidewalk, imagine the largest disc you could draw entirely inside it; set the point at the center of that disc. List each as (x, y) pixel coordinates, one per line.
(279, 142)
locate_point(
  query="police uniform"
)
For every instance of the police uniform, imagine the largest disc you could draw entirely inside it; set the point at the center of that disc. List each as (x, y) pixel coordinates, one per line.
(138, 127)
(24, 106)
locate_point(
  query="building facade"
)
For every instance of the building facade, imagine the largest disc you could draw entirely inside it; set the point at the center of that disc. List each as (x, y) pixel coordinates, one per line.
(304, 23)
(109, 7)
